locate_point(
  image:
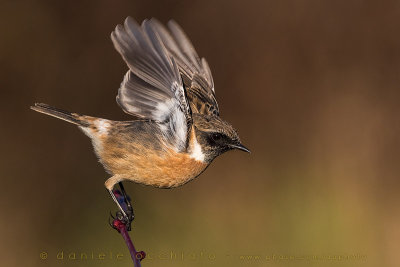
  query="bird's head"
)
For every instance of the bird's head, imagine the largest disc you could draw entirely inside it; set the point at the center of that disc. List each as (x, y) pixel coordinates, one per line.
(215, 136)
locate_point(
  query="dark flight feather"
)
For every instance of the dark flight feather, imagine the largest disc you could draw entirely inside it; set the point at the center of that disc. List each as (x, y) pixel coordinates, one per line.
(152, 88)
(195, 72)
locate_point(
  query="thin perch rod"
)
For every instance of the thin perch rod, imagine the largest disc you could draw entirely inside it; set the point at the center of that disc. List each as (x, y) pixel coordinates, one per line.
(136, 256)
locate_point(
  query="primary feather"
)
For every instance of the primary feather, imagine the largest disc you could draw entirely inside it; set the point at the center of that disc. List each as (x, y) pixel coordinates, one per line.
(195, 71)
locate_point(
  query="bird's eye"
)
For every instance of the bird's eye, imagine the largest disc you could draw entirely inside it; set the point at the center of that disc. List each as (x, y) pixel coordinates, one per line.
(217, 136)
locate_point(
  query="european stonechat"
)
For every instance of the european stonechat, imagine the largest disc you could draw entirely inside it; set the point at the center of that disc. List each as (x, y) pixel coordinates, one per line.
(177, 130)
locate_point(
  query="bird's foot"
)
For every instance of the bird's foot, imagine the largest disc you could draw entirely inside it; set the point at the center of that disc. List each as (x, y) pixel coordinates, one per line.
(120, 220)
(126, 214)
(126, 219)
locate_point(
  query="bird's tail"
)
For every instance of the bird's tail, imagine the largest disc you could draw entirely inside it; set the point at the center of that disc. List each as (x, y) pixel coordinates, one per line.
(60, 114)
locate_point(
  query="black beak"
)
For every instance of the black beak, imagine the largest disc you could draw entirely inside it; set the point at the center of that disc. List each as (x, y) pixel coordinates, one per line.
(241, 147)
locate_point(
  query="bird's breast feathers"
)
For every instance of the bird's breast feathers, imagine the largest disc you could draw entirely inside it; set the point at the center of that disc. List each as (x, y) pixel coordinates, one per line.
(140, 162)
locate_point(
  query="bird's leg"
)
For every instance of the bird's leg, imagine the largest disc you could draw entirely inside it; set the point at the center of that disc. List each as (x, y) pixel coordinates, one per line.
(129, 207)
(121, 210)
(125, 213)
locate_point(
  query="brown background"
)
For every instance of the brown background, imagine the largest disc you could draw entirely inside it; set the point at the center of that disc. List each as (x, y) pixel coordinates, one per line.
(312, 87)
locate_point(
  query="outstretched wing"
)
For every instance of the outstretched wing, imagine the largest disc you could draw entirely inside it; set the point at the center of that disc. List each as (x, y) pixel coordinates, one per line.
(152, 88)
(195, 72)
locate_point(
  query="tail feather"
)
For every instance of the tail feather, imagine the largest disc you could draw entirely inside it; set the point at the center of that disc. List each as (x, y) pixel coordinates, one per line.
(60, 114)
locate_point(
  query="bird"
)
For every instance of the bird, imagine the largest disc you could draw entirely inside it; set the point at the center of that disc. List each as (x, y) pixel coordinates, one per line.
(176, 130)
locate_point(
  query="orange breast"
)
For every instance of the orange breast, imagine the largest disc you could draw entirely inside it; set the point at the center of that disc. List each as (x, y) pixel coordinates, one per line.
(167, 169)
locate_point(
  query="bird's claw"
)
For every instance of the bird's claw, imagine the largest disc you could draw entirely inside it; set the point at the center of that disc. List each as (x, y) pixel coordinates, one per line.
(126, 219)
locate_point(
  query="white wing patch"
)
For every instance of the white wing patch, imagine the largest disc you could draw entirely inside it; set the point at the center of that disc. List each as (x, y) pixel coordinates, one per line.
(175, 126)
(175, 129)
(164, 109)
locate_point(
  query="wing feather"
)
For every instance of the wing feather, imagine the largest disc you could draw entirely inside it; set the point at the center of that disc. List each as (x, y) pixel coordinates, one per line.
(152, 88)
(195, 72)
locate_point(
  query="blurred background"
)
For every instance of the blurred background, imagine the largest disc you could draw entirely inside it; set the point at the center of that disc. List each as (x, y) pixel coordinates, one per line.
(311, 86)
